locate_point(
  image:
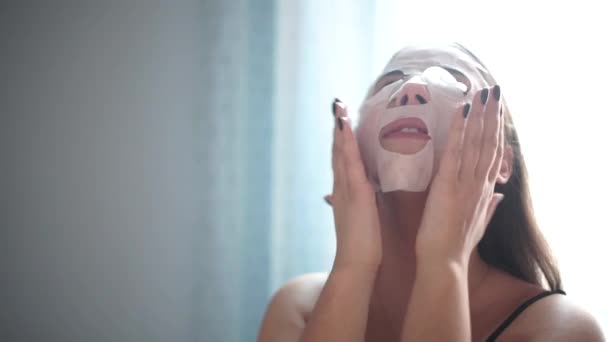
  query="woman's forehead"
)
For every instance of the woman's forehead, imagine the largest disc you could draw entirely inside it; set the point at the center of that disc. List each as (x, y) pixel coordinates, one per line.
(424, 56)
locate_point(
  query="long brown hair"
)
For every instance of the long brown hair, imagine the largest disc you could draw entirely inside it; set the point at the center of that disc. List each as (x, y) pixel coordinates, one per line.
(513, 241)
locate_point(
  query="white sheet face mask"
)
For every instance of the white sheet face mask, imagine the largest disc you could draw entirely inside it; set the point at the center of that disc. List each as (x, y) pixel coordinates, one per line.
(422, 101)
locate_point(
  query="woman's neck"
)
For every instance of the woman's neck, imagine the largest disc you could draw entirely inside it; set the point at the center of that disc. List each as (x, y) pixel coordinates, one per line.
(400, 216)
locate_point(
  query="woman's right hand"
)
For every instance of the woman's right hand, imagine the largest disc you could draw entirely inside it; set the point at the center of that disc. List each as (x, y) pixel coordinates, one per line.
(353, 200)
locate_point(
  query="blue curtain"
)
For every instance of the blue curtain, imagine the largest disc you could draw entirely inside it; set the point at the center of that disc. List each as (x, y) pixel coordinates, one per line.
(234, 132)
(270, 71)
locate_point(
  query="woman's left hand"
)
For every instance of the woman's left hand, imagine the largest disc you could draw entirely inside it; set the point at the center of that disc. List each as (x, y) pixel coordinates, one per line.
(461, 199)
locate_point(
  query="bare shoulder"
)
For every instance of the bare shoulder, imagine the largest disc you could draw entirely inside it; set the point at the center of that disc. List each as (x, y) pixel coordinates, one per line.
(289, 308)
(557, 318)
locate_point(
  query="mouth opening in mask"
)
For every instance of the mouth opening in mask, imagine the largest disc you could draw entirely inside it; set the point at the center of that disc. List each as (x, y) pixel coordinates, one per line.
(406, 135)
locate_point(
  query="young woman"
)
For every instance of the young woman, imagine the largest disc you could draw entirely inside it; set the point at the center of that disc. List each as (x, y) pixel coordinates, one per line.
(436, 236)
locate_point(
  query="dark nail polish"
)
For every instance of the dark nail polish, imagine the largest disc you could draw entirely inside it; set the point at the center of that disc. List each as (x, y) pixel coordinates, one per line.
(465, 111)
(334, 105)
(420, 99)
(500, 111)
(340, 124)
(484, 96)
(496, 92)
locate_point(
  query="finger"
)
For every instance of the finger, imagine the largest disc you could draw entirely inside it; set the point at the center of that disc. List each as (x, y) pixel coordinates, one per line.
(353, 165)
(450, 160)
(496, 199)
(489, 142)
(495, 169)
(472, 136)
(337, 157)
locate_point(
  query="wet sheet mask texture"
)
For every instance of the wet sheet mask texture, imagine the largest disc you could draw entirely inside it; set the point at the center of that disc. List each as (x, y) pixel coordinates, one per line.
(391, 171)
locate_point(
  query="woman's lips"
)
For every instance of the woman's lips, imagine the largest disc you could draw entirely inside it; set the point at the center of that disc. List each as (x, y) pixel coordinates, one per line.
(405, 128)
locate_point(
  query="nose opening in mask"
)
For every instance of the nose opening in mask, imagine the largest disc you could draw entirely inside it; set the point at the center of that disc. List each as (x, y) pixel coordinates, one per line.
(410, 94)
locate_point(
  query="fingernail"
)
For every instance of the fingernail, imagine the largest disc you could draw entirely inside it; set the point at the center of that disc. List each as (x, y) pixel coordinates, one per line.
(484, 96)
(326, 198)
(500, 198)
(500, 110)
(496, 92)
(466, 109)
(340, 124)
(333, 106)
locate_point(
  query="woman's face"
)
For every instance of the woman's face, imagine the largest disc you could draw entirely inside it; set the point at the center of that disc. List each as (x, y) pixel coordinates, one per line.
(405, 118)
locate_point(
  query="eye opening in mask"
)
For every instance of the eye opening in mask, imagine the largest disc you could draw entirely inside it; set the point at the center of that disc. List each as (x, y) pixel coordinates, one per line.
(388, 78)
(460, 77)
(396, 75)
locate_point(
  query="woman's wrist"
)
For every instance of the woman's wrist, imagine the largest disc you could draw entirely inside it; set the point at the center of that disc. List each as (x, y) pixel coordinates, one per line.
(360, 260)
(438, 266)
(355, 267)
(456, 255)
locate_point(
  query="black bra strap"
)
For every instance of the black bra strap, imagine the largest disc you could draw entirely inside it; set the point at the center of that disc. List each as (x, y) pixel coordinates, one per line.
(519, 310)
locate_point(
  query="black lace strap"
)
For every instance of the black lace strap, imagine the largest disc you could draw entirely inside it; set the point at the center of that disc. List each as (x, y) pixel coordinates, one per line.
(505, 324)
